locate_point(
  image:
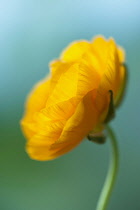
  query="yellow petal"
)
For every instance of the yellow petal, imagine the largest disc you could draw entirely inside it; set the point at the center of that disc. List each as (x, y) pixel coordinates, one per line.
(100, 47)
(75, 50)
(50, 122)
(112, 76)
(38, 97)
(35, 102)
(76, 128)
(76, 81)
(121, 54)
(57, 68)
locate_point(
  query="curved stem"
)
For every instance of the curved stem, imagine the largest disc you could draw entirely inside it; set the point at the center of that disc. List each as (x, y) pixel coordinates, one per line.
(112, 172)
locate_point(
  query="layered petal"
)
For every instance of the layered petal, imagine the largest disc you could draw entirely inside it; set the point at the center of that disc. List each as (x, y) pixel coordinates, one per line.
(74, 100)
(51, 121)
(75, 129)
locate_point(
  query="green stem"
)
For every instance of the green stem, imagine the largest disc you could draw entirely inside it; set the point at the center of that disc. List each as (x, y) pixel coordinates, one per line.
(112, 172)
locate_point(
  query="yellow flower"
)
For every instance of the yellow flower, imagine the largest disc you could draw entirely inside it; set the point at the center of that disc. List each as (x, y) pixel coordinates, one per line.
(75, 99)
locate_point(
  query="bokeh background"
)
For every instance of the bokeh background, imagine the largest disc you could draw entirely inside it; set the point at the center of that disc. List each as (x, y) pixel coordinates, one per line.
(32, 33)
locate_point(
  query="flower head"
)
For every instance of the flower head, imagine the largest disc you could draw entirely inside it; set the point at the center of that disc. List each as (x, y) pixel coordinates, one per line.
(75, 99)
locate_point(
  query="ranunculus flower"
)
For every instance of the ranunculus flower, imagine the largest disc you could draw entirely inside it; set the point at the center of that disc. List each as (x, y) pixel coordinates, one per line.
(75, 99)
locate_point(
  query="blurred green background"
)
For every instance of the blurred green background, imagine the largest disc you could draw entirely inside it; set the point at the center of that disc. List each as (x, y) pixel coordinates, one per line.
(32, 34)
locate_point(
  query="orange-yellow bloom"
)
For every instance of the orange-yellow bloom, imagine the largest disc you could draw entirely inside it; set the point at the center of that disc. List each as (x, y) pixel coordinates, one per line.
(74, 100)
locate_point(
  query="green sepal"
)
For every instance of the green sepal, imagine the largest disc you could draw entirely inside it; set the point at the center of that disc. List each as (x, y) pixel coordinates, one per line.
(124, 88)
(111, 109)
(97, 139)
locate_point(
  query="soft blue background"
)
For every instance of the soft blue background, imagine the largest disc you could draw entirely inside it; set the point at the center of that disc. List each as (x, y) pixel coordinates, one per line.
(32, 33)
